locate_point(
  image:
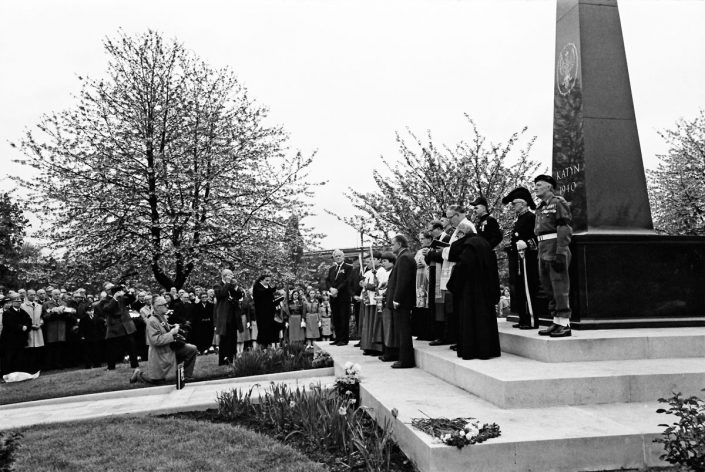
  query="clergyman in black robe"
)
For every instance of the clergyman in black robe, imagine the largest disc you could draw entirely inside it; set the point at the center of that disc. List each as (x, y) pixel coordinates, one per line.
(475, 287)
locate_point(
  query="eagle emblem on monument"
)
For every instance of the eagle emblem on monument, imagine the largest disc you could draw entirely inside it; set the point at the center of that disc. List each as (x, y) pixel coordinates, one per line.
(567, 68)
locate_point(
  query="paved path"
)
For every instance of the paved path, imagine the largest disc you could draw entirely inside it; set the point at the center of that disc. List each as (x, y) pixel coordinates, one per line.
(153, 400)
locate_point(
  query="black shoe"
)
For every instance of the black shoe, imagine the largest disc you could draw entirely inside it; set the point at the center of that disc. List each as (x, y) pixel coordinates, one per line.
(333, 342)
(453, 347)
(438, 342)
(341, 343)
(516, 325)
(356, 345)
(386, 359)
(399, 365)
(525, 327)
(549, 330)
(561, 332)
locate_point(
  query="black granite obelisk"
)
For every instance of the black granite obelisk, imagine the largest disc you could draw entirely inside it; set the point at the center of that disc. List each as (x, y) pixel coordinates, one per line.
(623, 274)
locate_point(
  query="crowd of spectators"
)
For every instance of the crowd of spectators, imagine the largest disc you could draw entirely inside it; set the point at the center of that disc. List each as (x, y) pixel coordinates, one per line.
(52, 328)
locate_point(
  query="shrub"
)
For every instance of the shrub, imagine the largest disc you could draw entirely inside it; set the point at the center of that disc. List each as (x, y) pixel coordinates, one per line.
(288, 358)
(684, 440)
(9, 443)
(321, 359)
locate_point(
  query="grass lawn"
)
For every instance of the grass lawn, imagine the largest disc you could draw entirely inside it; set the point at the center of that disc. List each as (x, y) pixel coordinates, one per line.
(154, 444)
(62, 383)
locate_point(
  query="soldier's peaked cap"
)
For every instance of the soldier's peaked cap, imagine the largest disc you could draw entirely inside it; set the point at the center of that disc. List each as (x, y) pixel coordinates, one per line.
(520, 193)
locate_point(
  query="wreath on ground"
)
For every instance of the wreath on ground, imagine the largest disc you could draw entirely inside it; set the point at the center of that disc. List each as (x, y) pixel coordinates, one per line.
(458, 432)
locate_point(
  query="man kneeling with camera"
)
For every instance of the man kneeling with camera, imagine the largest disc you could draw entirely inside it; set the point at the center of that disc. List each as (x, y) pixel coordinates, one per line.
(167, 348)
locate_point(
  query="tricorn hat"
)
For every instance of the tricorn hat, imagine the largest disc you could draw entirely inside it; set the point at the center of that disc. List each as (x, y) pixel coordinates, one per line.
(546, 178)
(479, 201)
(520, 193)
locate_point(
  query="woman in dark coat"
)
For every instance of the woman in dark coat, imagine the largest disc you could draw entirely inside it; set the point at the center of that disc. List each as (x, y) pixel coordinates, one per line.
(475, 287)
(263, 295)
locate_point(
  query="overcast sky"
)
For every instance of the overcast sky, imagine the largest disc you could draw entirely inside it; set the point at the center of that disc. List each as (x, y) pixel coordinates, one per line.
(343, 75)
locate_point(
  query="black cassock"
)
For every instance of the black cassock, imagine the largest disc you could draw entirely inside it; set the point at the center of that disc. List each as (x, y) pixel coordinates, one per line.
(475, 286)
(267, 328)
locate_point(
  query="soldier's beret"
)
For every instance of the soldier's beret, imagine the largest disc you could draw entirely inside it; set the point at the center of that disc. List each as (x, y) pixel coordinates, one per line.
(546, 178)
(520, 193)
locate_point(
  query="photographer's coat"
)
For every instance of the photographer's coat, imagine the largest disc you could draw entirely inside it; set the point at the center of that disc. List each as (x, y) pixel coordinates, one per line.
(161, 360)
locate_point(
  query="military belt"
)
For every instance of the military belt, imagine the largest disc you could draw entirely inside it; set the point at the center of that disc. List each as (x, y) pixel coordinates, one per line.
(546, 237)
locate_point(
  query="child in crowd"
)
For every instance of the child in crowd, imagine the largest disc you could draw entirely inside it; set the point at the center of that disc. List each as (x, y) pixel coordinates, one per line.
(313, 319)
(325, 313)
(246, 334)
(281, 314)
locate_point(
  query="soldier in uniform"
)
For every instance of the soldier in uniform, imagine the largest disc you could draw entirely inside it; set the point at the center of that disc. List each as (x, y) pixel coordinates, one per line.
(522, 252)
(553, 219)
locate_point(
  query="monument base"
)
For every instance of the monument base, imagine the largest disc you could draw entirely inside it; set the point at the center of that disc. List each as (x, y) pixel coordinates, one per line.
(637, 280)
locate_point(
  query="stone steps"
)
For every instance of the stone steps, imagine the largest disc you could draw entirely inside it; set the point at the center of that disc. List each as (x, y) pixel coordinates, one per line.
(555, 438)
(604, 345)
(512, 381)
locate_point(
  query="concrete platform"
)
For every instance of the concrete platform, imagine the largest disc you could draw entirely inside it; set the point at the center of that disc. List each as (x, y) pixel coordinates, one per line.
(512, 381)
(554, 438)
(604, 345)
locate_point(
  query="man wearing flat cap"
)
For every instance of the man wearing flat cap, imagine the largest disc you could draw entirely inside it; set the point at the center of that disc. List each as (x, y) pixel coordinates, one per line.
(487, 225)
(553, 220)
(522, 253)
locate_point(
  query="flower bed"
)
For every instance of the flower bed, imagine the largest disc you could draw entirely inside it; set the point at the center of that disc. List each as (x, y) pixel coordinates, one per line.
(329, 426)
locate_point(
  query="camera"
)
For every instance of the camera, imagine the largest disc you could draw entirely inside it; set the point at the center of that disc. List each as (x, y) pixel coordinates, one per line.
(179, 339)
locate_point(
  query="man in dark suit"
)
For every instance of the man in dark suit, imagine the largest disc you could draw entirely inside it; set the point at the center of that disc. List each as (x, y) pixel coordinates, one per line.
(203, 323)
(183, 316)
(227, 315)
(91, 330)
(16, 325)
(356, 291)
(120, 328)
(486, 225)
(338, 284)
(401, 291)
